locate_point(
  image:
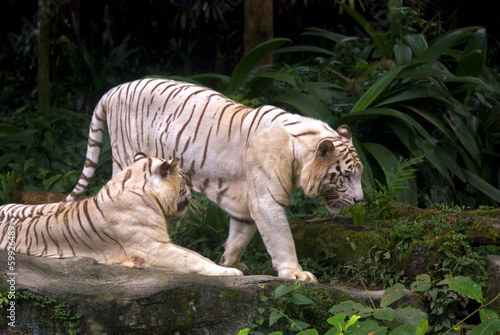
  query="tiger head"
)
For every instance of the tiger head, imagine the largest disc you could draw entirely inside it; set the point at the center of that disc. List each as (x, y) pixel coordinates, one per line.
(334, 173)
(166, 184)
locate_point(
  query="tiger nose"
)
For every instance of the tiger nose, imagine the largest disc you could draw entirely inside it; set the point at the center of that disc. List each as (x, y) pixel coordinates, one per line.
(358, 197)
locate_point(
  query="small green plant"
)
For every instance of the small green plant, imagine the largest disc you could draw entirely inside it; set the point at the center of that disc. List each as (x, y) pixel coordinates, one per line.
(58, 311)
(351, 317)
(378, 201)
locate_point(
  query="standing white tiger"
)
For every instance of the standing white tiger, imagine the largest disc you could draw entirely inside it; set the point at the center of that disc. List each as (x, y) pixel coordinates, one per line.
(246, 160)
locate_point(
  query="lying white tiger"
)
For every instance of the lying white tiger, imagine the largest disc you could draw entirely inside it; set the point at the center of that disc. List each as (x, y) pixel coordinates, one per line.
(123, 224)
(246, 160)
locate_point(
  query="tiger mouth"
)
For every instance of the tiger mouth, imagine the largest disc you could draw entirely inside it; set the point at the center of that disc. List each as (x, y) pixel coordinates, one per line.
(333, 201)
(182, 205)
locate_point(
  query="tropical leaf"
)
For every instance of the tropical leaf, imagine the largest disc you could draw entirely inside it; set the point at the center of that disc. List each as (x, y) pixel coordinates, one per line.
(330, 35)
(464, 285)
(481, 185)
(404, 330)
(384, 157)
(367, 178)
(392, 294)
(376, 112)
(306, 104)
(402, 54)
(376, 90)
(377, 39)
(417, 43)
(279, 76)
(248, 62)
(274, 316)
(305, 48)
(439, 45)
(490, 327)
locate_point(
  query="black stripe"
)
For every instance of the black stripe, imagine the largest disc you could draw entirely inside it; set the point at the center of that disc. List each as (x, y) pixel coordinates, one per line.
(77, 209)
(87, 215)
(205, 149)
(222, 114)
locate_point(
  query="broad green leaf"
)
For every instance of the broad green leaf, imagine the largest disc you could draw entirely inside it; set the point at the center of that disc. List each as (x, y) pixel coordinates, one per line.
(282, 290)
(465, 136)
(305, 48)
(366, 327)
(385, 313)
(402, 54)
(298, 324)
(384, 157)
(306, 104)
(424, 72)
(276, 333)
(248, 62)
(474, 56)
(218, 76)
(470, 65)
(337, 321)
(481, 185)
(300, 299)
(376, 90)
(274, 316)
(411, 92)
(422, 327)
(422, 283)
(279, 76)
(333, 331)
(377, 112)
(434, 120)
(330, 35)
(377, 39)
(404, 330)
(440, 45)
(308, 332)
(392, 294)
(367, 176)
(487, 314)
(352, 320)
(244, 331)
(417, 43)
(490, 327)
(464, 285)
(410, 315)
(469, 81)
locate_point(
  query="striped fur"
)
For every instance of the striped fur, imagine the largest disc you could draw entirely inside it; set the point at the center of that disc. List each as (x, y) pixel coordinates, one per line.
(123, 224)
(246, 160)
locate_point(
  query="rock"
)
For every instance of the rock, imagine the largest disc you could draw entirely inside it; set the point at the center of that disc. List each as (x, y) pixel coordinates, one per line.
(113, 299)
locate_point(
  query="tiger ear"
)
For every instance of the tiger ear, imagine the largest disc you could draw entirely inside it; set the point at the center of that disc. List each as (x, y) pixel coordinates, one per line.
(139, 155)
(325, 150)
(167, 167)
(344, 131)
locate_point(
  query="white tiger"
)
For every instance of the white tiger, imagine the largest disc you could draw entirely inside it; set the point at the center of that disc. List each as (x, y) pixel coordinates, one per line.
(246, 160)
(123, 224)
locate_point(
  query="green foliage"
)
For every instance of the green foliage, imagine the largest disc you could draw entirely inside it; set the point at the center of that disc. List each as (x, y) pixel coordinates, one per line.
(58, 311)
(349, 317)
(43, 152)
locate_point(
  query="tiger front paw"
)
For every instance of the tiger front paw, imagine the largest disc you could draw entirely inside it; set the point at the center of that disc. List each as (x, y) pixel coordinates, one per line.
(299, 275)
(229, 272)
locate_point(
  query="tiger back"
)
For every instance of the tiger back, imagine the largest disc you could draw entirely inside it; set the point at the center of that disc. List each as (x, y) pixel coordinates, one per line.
(248, 161)
(123, 224)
